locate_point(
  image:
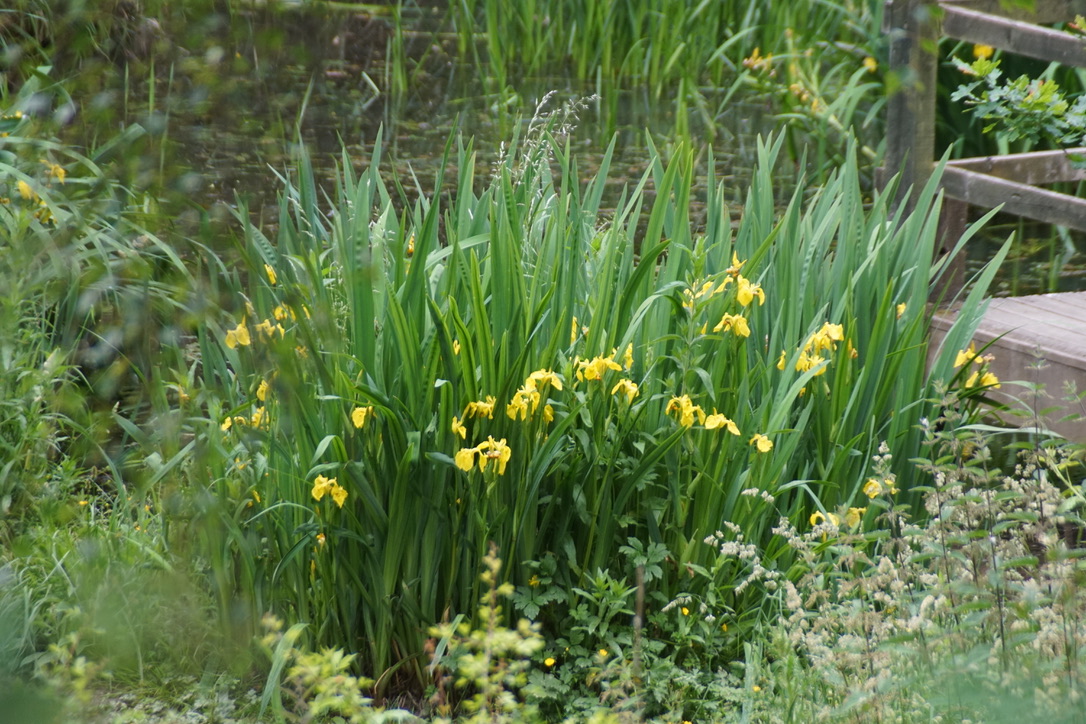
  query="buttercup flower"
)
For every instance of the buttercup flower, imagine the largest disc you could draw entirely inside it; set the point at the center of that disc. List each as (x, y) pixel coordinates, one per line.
(983, 51)
(549, 661)
(870, 64)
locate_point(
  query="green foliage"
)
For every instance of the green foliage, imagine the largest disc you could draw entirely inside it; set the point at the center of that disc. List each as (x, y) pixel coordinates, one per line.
(398, 391)
(1025, 108)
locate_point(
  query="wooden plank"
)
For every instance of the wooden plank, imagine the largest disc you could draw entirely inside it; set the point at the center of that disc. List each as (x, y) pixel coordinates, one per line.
(1043, 12)
(1034, 168)
(1016, 198)
(1014, 35)
(1042, 327)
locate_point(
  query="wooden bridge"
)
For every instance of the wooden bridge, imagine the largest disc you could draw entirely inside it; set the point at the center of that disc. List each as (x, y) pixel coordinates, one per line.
(1038, 339)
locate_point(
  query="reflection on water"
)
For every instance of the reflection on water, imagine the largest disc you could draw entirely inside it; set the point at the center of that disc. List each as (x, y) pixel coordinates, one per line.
(224, 97)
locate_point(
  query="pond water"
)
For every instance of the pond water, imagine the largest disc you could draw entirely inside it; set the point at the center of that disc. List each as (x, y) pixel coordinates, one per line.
(225, 96)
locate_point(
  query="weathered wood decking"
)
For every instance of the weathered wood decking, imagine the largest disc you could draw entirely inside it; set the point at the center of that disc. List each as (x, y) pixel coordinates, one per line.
(1039, 339)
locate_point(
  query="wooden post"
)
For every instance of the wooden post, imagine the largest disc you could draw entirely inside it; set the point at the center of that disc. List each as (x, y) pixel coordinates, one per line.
(914, 28)
(910, 139)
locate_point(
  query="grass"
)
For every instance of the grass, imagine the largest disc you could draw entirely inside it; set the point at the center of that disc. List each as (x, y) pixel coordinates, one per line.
(662, 426)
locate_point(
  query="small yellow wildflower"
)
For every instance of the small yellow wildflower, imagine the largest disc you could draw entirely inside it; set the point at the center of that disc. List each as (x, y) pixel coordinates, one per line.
(748, 291)
(25, 191)
(481, 408)
(852, 517)
(817, 517)
(965, 356)
(459, 429)
(321, 538)
(733, 270)
(490, 449)
(456, 346)
(226, 424)
(465, 458)
(533, 581)
(339, 495)
(267, 329)
(901, 309)
(716, 420)
(685, 611)
(262, 391)
(359, 415)
(737, 323)
(525, 402)
(573, 331)
(982, 51)
(826, 338)
(595, 369)
(763, 443)
(259, 418)
(270, 272)
(57, 172)
(83, 502)
(282, 313)
(329, 486)
(626, 387)
(686, 409)
(549, 661)
(781, 361)
(986, 379)
(494, 450)
(871, 64)
(627, 357)
(545, 377)
(756, 688)
(603, 653)
(874, 487)
(321, 486)
(548, 413)
(238, 335)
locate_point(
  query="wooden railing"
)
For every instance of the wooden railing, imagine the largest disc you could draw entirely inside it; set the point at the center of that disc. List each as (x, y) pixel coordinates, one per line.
(914, 28)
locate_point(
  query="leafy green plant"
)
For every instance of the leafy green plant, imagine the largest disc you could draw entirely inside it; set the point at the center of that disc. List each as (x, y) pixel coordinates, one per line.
(1029, 109)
